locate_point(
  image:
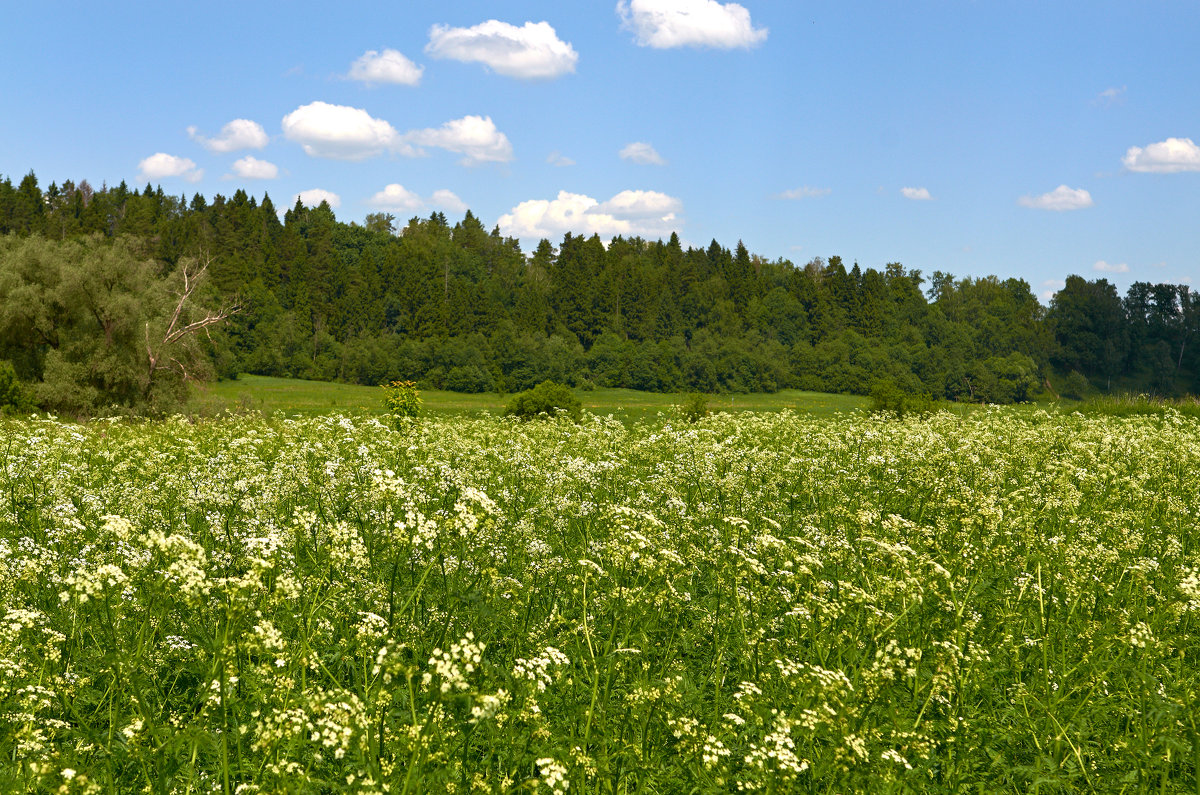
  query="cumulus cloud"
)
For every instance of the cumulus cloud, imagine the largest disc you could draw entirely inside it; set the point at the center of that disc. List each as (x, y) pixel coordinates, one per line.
(339, 132)
(1111, 267)
(1051, 286)
(314, 197)
(629, 213)
(389, 66)
(161, 165)
(1060, 199)
(237, 134)
(689, 23)
(395, 197)
(642, 153)
(253, 168)
(804, 192)
(530, 52)
(448, 200)
(474, 137)
(916, 194)
(1165, 157)
(641, 204)
(557, 158)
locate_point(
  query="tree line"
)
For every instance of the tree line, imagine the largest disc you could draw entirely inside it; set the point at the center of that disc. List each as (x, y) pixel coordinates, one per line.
(90, 279)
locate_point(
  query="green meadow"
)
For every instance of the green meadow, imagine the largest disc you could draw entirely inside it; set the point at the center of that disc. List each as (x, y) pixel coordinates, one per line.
(310, 398)
(764, 601)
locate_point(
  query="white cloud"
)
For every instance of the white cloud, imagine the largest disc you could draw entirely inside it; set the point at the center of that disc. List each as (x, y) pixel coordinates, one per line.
(314, 197)
(1052, 286)
(389, 66)
(339, 132)
(448, 200)
(1110, 96)
(629, 213)
(642, 153)
(689, 23)
(1060, 199)
(1165, 157)
(395, 197)
(530, 52)
(160, 165)
(253, 168)
(804, 192)
(557, 158)
(474, 137)
(237, 134)
(641, 204)
(1111, 267)
(916, 194)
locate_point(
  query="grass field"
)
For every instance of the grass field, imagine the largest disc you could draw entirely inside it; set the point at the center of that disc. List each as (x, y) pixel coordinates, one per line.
(308, 398)
(775, 602)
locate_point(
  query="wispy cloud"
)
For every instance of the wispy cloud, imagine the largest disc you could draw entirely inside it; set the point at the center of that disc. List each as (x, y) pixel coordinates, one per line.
(642, 153)
(804, 192)
(237, 134)
(389, 66)
(1110, 267)
(557, 158)
(1060, 199)
(916, 194)
(1110, 96)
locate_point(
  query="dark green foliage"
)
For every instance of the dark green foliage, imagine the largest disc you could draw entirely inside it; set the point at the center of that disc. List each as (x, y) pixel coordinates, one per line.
(454, 306)
(13, 397)
(1075, 385)
(695, 407)
(890, 397)
(546, 399)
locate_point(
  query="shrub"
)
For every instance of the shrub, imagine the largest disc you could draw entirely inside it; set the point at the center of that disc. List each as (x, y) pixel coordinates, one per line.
(13, 397)
(547, 398)
(695, 407)
(1075, 385)
(471, 379)
(889, 397)
(401, 399)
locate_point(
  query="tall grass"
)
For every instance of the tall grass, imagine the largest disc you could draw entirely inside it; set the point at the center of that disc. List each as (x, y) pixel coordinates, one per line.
(1127, 405)
(1006, 601)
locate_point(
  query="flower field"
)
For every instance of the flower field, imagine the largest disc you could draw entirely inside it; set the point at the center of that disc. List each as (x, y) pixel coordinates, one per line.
(763, 603)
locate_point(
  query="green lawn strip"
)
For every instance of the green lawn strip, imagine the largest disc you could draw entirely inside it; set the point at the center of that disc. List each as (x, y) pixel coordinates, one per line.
(295, 396)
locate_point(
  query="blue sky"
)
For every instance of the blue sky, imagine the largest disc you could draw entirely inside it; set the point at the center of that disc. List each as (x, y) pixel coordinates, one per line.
(1026, 139)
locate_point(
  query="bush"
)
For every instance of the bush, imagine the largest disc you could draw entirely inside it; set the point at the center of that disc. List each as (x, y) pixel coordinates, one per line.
(401, 399)
(471, 379)
(13, 397)
(548, 398)
(889, 397)
(1075, 385)
(695, 407)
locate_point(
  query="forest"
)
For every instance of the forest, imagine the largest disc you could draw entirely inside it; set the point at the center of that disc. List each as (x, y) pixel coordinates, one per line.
(115, 297)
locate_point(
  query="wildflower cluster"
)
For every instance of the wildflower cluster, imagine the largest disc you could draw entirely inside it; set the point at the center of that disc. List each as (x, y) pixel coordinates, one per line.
(1007, 601)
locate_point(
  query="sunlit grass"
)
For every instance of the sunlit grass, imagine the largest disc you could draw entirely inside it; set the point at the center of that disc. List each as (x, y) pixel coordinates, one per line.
(309, 398)
(1003, 601)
